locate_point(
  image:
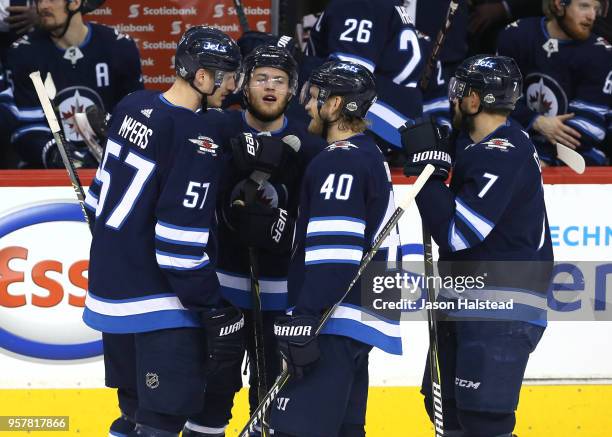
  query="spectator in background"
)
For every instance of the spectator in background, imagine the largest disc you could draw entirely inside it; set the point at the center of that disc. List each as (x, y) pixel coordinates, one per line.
(568, 77)
(16, 18)
(90, 64)
(488, 18)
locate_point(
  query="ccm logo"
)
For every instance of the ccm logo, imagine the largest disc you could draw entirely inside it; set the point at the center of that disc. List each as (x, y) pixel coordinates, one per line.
(467, 384)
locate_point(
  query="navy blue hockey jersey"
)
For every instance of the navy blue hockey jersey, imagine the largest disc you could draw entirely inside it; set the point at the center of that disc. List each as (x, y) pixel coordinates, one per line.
(233, 260)
(346, 198)
(379, 35)
(101, 71)
(560, 77)
(494, 214)
(153, 250)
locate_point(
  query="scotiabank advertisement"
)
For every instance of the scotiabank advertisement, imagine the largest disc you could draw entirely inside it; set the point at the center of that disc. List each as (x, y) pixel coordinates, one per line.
(156, 26)
(44, 252)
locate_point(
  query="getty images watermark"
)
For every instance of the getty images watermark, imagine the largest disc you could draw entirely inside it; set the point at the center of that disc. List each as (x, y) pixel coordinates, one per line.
(489, 290)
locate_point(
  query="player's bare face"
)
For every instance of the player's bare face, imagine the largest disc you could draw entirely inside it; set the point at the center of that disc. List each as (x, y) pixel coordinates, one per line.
(316, 124)
(52, 14)
(580, 17)
(268, 93)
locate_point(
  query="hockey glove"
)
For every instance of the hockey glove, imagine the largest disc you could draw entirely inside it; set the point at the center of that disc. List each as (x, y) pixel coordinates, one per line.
(426, 143)
(297, 343)
(81, 158)
(264, 153)
(225, 342)
(262, 227)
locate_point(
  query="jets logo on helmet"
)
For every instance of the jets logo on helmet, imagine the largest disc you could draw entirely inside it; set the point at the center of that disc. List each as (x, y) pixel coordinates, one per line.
(273, 56)
(497, 79)
(354, 82)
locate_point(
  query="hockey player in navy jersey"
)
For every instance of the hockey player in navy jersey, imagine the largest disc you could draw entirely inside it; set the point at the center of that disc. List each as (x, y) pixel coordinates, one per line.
(152, 280)
(380, 36)
(568, 77)
(89, 63)
(491, 220)
(269, 85)
(346, 196)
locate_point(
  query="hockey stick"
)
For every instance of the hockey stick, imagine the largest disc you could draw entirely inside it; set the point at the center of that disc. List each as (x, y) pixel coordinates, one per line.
(250, 191)
(573, 159)
(389, 225)
(244, 24)
(435, 52)
(434, 363)
(39, 86)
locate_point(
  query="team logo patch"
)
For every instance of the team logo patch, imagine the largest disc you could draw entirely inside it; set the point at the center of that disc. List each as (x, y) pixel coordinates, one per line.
(489, 98)
(344, 145)
(152, 380)
(205, 145)
(544, 95)
(267, 194)
(72, 100)
(352, 106)
(498, 144)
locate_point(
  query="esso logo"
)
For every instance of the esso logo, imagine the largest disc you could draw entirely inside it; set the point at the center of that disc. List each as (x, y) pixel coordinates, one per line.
(44, 251)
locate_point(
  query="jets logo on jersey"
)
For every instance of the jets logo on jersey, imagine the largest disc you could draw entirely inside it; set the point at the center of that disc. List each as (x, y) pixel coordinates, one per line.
(498, 144)
(205, 145)
(267, 194)
(544, 95)
(551, 46)
(344, 145)
(71, 101)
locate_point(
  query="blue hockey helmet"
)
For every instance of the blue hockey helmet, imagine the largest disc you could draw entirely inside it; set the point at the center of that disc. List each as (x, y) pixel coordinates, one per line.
(275, 57)
(209, 48)
(604, 6)
(497, 79)
(354, 82)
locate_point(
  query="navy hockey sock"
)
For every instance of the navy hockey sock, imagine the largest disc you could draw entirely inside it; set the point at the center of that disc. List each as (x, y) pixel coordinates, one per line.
(486, 424)
(146, 431)
(122, 426)
(192, 429)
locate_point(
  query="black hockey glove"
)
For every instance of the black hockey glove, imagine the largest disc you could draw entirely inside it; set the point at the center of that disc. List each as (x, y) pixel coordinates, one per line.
(262, 227)
(426, 143)
(81, 158)
(297, 343)
(225, 343)
(267, 154)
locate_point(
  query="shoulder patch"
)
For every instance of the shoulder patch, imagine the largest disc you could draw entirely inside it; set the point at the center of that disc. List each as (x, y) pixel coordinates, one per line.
(498, 144)
(206, 145)
(120, 35)
(23, 41)
(513, 24)
(342, 145)
(601, 41)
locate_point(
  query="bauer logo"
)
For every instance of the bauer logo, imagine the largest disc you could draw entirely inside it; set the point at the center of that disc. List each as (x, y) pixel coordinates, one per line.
(43, 271)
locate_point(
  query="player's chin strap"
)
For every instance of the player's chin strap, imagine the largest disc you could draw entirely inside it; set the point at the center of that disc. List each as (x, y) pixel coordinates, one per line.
(219, 75)
(70, 15)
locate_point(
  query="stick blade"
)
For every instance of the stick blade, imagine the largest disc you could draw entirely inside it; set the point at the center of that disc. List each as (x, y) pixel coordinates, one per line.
(573, 159)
